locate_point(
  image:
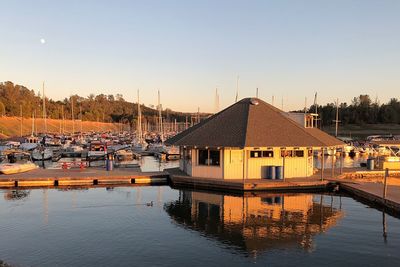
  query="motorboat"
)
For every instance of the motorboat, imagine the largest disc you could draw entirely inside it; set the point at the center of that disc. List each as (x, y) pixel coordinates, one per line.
(42, 153)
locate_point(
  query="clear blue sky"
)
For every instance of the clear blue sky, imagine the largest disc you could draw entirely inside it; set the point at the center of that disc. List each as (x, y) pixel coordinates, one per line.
(289, 49)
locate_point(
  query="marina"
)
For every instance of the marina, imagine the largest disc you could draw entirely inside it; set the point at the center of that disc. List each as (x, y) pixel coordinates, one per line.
(199, 133)
(49, 227)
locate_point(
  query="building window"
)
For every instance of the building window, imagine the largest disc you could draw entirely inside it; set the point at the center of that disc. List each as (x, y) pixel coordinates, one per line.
(209, 157)
(299, 153)
(214, 157)
(261, 154)
(268, 154)
(255, 154)
(203, 157)
(286, 153)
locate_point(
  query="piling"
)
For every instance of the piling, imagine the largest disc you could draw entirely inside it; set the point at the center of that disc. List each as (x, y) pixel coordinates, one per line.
(385, 184)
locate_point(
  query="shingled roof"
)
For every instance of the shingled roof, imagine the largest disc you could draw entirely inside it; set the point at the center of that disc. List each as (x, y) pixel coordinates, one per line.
(252, 122)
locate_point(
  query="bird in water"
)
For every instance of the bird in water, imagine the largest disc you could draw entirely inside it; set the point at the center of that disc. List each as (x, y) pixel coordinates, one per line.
(150, 204)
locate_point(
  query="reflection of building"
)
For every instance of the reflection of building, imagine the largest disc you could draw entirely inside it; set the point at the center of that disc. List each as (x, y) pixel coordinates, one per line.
(247, 139)
(255, 223)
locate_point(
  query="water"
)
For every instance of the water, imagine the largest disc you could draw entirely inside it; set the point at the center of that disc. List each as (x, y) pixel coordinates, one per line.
(120, 227)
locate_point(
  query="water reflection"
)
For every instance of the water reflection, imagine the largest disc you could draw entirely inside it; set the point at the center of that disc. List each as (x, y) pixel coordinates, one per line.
(255, 223)
(345, 162)
(16, 194)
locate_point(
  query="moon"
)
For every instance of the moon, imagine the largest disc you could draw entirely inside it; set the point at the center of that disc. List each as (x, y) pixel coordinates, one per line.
(42, 41)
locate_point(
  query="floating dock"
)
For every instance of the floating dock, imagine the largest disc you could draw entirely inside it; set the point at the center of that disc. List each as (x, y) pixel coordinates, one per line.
(178, 178)
(78, 177)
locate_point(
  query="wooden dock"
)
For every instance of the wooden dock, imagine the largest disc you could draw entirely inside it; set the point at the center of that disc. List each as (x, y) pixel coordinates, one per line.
(180, 179)
(373, 193)
(78, 177)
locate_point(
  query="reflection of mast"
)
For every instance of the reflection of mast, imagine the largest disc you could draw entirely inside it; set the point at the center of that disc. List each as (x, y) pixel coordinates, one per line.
(138, 195)
(45, 207)
(384, 226)
(159, 196)
(73, 199)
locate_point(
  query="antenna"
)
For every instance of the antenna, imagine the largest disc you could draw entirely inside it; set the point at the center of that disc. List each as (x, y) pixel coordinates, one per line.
(257, 92)
(273, 100)
(237, 89)
(305, 105)
(282, 104)
(315, 103)
(216, 100)
(337, 117)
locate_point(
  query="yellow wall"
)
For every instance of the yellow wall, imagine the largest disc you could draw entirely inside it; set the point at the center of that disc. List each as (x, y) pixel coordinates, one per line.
(233, 167)
(255, 168)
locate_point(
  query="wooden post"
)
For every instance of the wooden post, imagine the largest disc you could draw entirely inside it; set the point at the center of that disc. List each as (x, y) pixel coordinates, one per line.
(322, 163)
(333, 165)
(340, 162)
(384, 226)
(283, 167)
(385, 184)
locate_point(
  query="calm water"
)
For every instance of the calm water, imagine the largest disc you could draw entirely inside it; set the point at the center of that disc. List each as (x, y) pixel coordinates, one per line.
(119, 227)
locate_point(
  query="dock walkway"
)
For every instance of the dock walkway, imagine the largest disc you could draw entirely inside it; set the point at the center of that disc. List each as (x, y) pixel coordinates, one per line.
(90, 176)
(373, 192)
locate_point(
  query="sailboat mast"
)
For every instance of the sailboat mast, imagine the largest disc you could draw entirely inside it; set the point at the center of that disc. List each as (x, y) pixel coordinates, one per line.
(80, 112)
(33, 123)
(44, 110)
(160, 118)
(139, 123)
(72, 115)
(337, 117)
(21, 118)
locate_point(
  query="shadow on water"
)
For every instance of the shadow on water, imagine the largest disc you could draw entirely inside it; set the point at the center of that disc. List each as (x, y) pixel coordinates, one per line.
(256, 223)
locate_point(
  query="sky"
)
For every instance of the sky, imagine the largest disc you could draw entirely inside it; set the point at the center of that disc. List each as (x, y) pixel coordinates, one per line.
(187, 49)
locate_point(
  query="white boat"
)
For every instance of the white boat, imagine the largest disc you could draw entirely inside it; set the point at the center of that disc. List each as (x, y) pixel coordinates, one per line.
(42, 154)
(12, 168)
(170, 150)
(155, 148)
(17, 162)
(28, 146)
(124, 155)
(139, 147)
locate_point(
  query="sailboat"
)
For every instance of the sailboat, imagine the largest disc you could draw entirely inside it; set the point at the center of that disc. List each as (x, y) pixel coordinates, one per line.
(42, 152)
(160, 149)
(139, 145)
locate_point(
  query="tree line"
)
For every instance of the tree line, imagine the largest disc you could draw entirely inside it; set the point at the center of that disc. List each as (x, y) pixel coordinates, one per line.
(15, 99)
(114, 108)
(361, 110)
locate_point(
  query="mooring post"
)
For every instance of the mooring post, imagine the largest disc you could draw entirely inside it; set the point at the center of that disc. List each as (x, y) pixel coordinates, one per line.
(385, 184)
(340, 162)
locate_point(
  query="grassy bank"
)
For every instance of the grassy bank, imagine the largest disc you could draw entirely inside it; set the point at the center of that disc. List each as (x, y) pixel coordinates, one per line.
(11, 126)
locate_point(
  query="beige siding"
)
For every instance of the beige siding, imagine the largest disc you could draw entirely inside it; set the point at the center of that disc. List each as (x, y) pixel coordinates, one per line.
(207, 171)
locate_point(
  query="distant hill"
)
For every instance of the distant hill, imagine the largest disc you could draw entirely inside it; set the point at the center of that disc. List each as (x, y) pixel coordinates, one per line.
(105, 108)
(11, 126)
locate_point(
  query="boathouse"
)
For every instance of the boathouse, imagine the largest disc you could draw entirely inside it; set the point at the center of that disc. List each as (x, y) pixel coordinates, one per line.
(246, 139)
